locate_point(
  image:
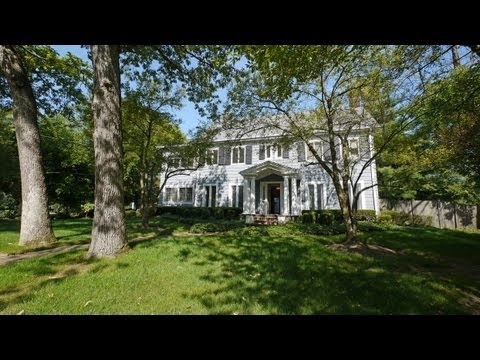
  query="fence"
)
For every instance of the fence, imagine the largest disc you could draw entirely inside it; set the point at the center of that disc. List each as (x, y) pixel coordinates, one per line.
(444, 214)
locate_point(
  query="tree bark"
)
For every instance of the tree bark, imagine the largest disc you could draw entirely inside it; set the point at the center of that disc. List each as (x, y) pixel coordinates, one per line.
(36, 226)
(108, 233)
(475, 49)
(455, 57)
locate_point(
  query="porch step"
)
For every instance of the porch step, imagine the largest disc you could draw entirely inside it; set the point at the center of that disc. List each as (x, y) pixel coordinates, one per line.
(265, 220)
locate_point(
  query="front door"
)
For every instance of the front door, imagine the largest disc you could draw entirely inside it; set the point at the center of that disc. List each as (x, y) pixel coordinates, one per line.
(274, 198)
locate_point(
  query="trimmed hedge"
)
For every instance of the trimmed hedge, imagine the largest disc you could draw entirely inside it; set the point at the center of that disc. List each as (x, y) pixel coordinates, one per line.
(401, 218)
(334, 216)
(219, 213)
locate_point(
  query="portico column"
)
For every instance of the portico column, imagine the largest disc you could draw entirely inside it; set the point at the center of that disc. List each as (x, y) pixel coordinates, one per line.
(252, 196)
(285, 196)
(294, 196)
(246, 194)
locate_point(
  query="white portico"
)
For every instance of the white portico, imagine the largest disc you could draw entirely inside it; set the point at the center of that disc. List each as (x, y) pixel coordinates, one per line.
(270, 188)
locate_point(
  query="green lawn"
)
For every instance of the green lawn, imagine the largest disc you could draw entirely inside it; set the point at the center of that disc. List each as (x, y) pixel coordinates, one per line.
(252, 270)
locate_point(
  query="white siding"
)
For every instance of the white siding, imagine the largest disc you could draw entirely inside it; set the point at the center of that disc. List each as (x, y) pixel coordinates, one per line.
(227, 175)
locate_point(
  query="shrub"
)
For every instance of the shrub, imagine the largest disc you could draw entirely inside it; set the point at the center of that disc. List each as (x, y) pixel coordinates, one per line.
(130, 213)
(401, 218)
(8, 206)
(59, 211)
(325, 217)
(201, 228)
(385, 218)
(88, 209)
(308, 217)
(366, 215)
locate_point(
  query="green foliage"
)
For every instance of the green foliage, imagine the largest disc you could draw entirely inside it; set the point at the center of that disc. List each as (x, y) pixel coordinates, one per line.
(401, 218)
(365, 215)
(10, 168)
(68, 160)
(8, 206)
(201, 228)
(385, 218)
(220, 213)
(58, 82)
(88, 209)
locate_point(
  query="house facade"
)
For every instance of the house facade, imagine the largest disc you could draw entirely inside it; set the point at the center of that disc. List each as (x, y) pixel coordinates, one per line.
(259, 175)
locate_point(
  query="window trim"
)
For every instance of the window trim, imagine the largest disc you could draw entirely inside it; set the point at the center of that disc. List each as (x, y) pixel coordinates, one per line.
(315, 195)
(273, 150)
(307, 150)
(349, 140)
(207, 156)
(244, 154)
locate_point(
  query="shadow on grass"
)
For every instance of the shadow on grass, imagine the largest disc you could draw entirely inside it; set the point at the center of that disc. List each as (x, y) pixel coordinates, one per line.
(55, 268)
(295, 275)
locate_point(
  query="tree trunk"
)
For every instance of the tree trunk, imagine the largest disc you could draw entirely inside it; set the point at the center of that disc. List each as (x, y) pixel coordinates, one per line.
(475, 49)
(144, 208)
(36, 226)
(108, 233)
(455, 57)
(350, 223)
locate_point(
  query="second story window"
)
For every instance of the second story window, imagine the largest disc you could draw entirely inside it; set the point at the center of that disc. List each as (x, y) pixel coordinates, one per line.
(212, 157)
(354, 148)
(270, 152)
(238, 155)
(317, 145)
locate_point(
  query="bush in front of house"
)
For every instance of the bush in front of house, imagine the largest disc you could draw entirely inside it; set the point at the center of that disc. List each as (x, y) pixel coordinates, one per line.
(219, 213)
(201, 228)
(404, 219)
(366, 215)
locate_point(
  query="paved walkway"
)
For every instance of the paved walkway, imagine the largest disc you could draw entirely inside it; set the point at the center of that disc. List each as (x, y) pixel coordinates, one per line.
(6, 258)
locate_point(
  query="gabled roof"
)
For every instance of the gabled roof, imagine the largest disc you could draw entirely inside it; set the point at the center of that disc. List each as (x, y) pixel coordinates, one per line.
(268, 167)
(273, 126)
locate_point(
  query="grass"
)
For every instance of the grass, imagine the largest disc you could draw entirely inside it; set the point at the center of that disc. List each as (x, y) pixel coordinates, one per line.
(252, 270)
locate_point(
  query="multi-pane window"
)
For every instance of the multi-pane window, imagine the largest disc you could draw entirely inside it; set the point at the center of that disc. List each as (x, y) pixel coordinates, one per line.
(212, 157)
(210, 196)
(237, 196)
(317, 146)
(174, 163)
(354, 148)
(271, 151)
(315, 196)
(238, 155)
(171, 195)
(185, 194)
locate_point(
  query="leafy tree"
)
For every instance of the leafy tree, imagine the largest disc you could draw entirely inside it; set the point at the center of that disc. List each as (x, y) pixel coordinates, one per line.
(9, 172)
(36, 227)
(195, 66)
(147, 125)
(36, 81)
(329, 91)
(68, 156)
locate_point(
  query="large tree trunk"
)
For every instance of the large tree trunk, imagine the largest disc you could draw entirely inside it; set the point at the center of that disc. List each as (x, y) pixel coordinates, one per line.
(108, 233)
(36, 226)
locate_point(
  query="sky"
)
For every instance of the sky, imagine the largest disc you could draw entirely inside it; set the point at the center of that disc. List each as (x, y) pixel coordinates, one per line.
(189, 116)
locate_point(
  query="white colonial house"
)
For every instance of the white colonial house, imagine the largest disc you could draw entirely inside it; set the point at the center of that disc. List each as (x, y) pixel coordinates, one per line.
(260, 176)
